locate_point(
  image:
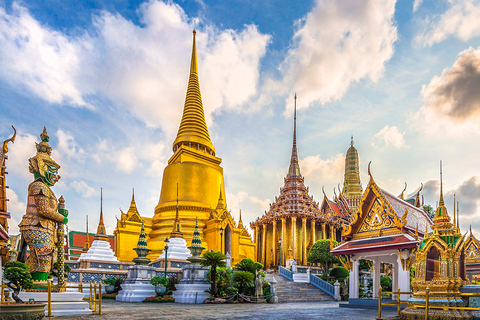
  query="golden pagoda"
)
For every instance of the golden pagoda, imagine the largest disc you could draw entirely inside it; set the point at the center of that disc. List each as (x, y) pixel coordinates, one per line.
(196, 169)
(128, 230)
(4, 214)
(295, 218)
(352, 187)
(440, 266)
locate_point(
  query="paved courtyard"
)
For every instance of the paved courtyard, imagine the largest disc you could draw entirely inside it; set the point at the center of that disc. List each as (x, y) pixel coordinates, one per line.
(302, 310)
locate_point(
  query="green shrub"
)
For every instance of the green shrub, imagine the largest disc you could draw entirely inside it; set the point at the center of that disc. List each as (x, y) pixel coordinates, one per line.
(243, 280)
(386, 283)
(248, 265)
(339, 273)
(116, 282)
(156, 281)
(18, 276)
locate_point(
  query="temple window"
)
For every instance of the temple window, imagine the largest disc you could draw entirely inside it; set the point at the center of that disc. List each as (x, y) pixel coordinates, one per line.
(433, 264)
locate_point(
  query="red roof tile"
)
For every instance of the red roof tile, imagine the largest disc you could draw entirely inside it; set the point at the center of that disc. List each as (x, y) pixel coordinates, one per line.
(399, 241)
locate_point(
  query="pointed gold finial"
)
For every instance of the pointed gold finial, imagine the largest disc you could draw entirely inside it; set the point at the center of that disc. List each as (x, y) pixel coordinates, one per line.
(193, 131)
(86, 246)
(176, 233)
(101, 232)
(458, 216)
(441, 203)
(454, 220)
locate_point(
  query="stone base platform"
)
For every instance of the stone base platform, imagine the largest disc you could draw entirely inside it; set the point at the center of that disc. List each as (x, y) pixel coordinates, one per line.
(191, 293)
(137, 286)
(74, 305)
(434, 314)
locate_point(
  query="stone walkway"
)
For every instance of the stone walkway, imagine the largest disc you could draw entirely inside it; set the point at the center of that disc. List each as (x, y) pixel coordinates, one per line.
(300, 310)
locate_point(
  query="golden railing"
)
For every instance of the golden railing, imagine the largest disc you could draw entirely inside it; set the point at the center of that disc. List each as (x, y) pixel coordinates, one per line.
(425, 306)
(94, 299)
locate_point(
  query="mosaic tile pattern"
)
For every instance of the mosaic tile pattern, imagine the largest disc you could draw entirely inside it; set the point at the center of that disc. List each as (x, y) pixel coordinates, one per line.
(92, 277)
(104, 265)
(73, 276)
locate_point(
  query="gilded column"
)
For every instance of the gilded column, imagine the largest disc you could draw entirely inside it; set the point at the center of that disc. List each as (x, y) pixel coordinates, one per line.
(284, 232)
(274, 243)
(294, 224)
(324, 236)
(332, 232)
(304, 242)
(255, 236)
(264, 245)
(314, 231)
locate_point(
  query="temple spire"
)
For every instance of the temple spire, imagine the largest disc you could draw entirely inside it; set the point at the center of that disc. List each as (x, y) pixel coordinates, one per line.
(442, 219)
(441, 203)
(193, 131)
(240, 222)
(352, 186)
(86, 246)
(176, 233)
(101, 233)
(294, 169)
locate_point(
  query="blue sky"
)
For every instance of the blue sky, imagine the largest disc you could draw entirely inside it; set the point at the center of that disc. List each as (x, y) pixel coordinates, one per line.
(108, 79)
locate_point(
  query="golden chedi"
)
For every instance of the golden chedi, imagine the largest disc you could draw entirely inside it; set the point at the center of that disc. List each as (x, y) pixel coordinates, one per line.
(196, 169)
(440, 267)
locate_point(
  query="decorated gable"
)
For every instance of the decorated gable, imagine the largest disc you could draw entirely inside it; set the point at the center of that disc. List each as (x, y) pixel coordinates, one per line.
(472, 251)
(377, 219)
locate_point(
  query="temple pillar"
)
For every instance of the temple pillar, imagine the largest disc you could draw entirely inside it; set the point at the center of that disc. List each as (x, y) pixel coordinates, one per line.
(264, 245)
(354, 276)
(257, 243)
(294, 225)
(304, 242)
(314, 231)
(282, 248)
(274, 243)
(324, 236)
(376, 277)
(403, 281)
(332, 233)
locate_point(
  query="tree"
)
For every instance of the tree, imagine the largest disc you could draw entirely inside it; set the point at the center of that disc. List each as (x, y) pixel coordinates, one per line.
(248, 265)
(320, 253)
(429, 210)
(17, 274)
(339, 273)
(213, 260)
(243, 280)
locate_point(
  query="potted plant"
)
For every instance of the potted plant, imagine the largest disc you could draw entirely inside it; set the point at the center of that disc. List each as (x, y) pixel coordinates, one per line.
(110, 285)
(17, 277)
(160, 284)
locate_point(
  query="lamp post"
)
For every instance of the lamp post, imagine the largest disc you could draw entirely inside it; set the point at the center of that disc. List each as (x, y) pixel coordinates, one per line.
(280, 244)
(166, 251)
(221, 239)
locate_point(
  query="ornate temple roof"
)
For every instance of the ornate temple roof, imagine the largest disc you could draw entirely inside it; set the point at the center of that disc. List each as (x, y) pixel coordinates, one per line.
(294, 199)
(193, 127)
(472, 250)
(352, 187)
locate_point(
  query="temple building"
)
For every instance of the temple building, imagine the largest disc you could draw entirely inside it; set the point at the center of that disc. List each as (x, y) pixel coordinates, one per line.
(472, 256)
(385, 230)
(295, 218)
(196, 169)
(127, 231)
(352, 187)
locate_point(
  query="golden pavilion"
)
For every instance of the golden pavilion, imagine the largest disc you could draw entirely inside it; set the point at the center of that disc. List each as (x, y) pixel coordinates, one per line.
(196, 169)
(297, 219)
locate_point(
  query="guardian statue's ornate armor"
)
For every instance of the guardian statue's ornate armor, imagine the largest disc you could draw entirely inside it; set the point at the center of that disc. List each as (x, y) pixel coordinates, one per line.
(43, 216)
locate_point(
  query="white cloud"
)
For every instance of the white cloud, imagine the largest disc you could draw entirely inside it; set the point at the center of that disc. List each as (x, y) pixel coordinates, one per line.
(452, 100)
(83, 188)
(67, 146)
(251, 206)
(143, 69)
(461, 19)
(19, 153)
(328, 170)
(17, 209)
(388, 136)
(42, 59)
(416, 5)
(336, 44)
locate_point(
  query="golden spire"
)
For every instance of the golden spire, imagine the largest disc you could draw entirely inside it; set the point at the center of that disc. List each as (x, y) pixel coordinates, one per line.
(441, 219)
(352, 186)
(294, 169)
(176, 233)
(101, 233)
(193, 127)
(87, 240)
(454, 223)
(220, 204)
(240, 222)
(458, 217)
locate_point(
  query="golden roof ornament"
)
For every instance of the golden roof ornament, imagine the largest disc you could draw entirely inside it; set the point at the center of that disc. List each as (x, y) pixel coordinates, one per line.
(176, 233)
(441, 219)
(101, 232)
(193, 127)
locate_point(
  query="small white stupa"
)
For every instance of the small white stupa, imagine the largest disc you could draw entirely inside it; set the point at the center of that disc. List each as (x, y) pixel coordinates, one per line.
(100, 249)
(177, 246)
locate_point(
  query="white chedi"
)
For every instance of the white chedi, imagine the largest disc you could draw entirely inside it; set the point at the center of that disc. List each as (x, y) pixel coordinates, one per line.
(100, 250)
(177, 249)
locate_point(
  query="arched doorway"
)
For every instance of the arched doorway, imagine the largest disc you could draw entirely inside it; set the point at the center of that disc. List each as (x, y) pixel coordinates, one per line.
(433, 264)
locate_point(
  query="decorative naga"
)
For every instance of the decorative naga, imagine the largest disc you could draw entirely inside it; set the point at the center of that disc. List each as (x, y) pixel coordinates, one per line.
(42, 225)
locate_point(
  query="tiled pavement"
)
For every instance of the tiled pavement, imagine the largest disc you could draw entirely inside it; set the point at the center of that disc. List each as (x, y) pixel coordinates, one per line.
(300, 310)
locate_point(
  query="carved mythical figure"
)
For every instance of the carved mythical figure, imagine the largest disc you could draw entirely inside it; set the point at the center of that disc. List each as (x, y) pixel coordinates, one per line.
(259, 285)
(43, 216)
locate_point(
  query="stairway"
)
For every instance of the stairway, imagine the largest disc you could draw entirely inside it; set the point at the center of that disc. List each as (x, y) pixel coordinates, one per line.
(289, 291)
